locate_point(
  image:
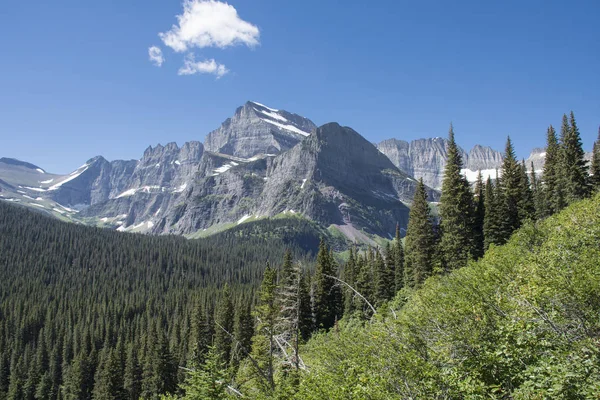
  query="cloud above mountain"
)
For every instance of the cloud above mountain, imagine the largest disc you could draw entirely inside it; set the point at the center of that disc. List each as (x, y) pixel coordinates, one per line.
(191, 67)
(209, 24)
(156, 56)
(203, 24)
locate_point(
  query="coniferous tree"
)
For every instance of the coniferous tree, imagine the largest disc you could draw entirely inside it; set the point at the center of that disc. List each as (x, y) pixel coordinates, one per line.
(224, 320)
(243, 328)
(4, 372)
(305, 325)
(44, 389)
(537, 191)
(479, 218)
(364, 281)
(328, 295)
(384, 279)
(263, 342)
(398, 251)
(456, 211)
(419, 240)
(201, 334)
(109, 382)
(132, 378)
(491, 221)
(526, 202)
(209, 381)
(510, 190)
(79, 379)
(553, 190)
(349, 278)
(595, 167)
(574, 170)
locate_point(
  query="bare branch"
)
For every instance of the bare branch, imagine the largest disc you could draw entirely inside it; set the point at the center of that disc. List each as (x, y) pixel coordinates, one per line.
(355, 291)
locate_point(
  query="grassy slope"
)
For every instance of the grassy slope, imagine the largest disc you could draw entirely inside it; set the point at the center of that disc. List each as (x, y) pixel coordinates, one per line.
(521, 323)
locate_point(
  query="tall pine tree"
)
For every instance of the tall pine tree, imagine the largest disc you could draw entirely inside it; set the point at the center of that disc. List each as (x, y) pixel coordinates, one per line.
(479, 218)
(574, 171)
(398, 251)
(328, 295)
(456, 211)
(419, 241)
(224, 320)
(553, 190)
(510, 194)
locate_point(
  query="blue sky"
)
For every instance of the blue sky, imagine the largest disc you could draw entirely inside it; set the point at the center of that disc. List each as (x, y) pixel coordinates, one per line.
(76, 80)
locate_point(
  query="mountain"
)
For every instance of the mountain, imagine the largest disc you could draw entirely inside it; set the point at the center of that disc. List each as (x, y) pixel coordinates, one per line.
(334, 177)
(258, 129)
(426, 158)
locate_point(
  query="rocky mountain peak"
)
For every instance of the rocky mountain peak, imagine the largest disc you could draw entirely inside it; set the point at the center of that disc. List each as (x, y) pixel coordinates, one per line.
(258, 129)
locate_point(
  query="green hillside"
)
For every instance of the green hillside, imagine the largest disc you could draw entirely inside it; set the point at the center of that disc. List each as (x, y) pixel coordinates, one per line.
(523, 323)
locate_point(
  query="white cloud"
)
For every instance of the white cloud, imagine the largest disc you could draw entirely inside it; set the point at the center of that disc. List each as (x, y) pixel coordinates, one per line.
(209, 23)
(156, 56)
(191, 67)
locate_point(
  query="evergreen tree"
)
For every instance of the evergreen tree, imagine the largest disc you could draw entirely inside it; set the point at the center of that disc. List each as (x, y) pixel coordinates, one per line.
(306, 325)
(225, 318)
(364, 281)
(419, 241)
(44, 388)
(201, 334)
(479, 219)
(132, 379)
(263, 342)
(349, 278)
(4, 373)
(328, 295)
(537, 190)
(209, 381)
(491, 222)
(398, 251)
(510, 190)
(243, 328)
(384, 279)
(79, 379)
(456, 211)
(526, 203)
(553, 190)
(109, 382)
(595, 167)
(574, 171)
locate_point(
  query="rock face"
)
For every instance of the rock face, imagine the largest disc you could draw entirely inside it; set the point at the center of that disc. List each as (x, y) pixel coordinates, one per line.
(258, 129)
(426, 158)
(333, 176)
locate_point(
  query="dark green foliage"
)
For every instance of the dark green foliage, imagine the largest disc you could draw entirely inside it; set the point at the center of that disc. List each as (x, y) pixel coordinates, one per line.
(456, 211)
(574, 171)
(384, 279)
(526, 202)
(305, 323)
(491, 221)
(398, 258)
(243, 328)
(224, 320)
(209, 382)
(350, 278)
(132, 379)
(595, 167)
(419, 241)
(67, 291)
(537, 191)
(479, 218)
(109, 383)
(553, 189)
(510, 194)
(328, 294)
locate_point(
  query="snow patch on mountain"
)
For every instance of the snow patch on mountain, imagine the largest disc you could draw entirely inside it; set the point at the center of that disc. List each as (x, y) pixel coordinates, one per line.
(485, 173)
(290, 128)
